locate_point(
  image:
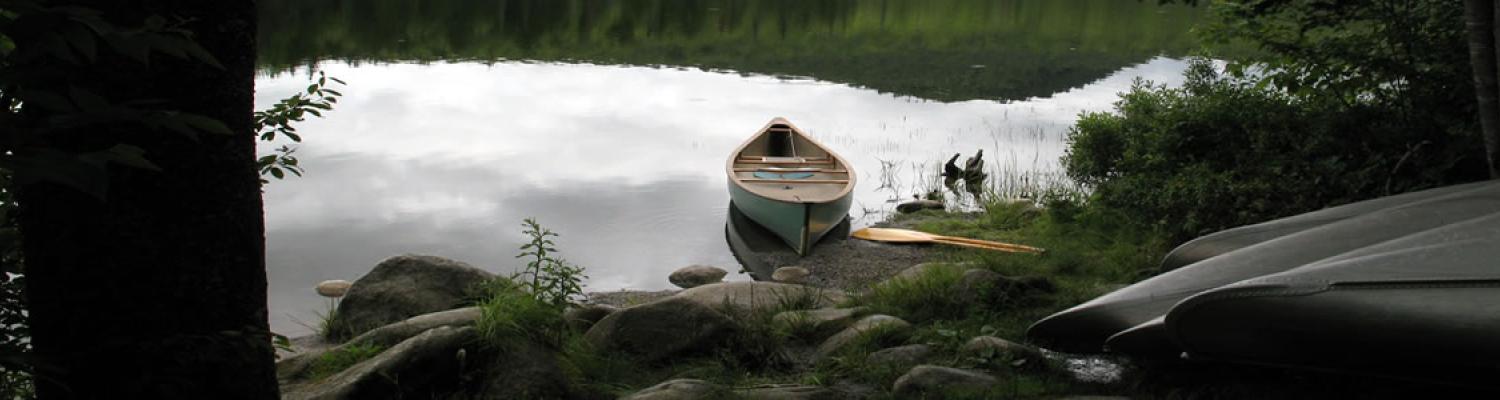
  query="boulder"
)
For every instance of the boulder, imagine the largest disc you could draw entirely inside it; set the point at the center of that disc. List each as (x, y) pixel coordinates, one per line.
(900, 356)
(918, 270)
(931, 379)
(870, 323)
(523, 370)
(385, 336)
(982, 285)
(757, 296)
(696, 275)
(427, 363)
(919, 205)
(817, 324)
(795, 275)
(993, 348)
(786, 392)
(659, 329)
(680, 389)
(584, 316)
(401, 287)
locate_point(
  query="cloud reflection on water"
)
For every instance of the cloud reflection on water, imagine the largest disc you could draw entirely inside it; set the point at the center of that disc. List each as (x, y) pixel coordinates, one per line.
(625, 162)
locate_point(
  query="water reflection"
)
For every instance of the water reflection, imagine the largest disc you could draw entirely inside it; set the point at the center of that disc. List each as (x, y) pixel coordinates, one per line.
(949, 50)
(625, 162)
(759, 251)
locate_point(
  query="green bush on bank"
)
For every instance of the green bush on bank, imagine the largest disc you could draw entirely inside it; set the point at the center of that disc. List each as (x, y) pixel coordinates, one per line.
(1221, 152)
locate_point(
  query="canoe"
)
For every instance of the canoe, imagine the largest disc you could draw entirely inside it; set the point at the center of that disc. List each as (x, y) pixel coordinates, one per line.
(790, 184)
(1138, 308)
(1424, 306)
(1236, 238)
(758, 250)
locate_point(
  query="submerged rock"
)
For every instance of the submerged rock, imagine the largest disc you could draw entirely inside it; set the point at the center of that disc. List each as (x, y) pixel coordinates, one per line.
(756, 296)
(401, 287)
(660, 329)
(927, 379)
(696, 275)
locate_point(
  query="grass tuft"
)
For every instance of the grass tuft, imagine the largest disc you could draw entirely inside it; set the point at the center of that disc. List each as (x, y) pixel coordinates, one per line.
(336, 361)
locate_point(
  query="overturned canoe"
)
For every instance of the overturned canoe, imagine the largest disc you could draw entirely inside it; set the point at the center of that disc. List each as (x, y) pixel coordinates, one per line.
(1087, 327)
(791, 185)
(1424, 306)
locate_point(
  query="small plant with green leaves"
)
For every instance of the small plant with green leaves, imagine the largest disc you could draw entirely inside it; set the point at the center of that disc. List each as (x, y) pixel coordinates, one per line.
(551, 280)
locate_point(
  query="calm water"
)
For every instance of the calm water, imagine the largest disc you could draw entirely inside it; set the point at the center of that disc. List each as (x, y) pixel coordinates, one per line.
(610, 121)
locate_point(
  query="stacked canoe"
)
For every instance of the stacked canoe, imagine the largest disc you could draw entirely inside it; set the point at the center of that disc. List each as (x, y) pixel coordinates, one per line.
(1405, 286)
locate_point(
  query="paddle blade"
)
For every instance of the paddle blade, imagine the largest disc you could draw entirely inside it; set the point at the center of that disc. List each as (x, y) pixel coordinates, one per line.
(892, 235)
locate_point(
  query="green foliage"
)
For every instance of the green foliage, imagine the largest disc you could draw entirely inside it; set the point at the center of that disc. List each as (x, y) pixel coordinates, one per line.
(336, 361)
(1222, 152)
(509, 313)
(279, 119)
(922, 298)
(551, 280)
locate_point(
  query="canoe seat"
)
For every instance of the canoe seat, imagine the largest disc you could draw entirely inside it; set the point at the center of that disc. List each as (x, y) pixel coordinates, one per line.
(783, 175)
(762, 180)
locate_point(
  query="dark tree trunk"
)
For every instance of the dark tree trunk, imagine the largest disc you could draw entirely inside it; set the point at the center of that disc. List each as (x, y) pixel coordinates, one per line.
(157, 290)
(1480, 18)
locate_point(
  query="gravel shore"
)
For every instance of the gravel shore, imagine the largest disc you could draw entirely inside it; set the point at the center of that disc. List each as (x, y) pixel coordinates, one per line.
(840, 262)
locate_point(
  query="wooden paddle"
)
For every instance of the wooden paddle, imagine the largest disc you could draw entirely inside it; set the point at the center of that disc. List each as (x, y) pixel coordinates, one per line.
(910, 236)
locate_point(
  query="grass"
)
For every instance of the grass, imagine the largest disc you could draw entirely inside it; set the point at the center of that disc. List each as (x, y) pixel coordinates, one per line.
(508, 314)
(336, 361)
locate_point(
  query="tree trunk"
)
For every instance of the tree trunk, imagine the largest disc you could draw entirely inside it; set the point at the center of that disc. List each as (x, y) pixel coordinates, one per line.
(157, 290)
(1480, 18)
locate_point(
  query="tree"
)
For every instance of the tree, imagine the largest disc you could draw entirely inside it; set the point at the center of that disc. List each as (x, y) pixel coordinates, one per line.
(154, 287)
(1479, 16)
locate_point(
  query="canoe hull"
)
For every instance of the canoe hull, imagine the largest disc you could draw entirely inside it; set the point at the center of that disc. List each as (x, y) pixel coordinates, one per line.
(799, 225)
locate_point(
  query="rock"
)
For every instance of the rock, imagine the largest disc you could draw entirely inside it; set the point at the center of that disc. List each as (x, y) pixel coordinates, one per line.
(659, 329)
(819, 323)
(993, 348)
(786, 392)
(756, 296)
(584, 316)
(919, 205)
(424, 364)
(696, 275)
(523, 370)
(982, 285)
(867, 324)
(680, 389)
(333, 288)
(790, 275)
(918, 270)
(931, 379)
(401, 287)
(385, 336)
(900, 356)
(1038, 284)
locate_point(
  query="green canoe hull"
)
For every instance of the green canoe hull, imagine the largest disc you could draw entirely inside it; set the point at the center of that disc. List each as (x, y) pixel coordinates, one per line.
(800, 225)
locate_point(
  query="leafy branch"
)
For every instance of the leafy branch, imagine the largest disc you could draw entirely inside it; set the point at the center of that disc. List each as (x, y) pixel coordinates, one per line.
(279, 119)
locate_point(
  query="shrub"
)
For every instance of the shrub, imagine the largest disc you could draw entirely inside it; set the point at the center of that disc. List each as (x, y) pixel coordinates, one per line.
(1222, 152)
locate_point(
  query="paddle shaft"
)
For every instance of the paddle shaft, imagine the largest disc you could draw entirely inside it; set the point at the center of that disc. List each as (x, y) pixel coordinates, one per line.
(1008, 246)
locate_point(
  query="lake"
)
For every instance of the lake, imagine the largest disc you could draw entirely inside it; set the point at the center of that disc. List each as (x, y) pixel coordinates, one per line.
(610, 121)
